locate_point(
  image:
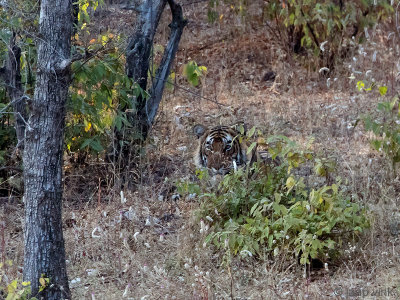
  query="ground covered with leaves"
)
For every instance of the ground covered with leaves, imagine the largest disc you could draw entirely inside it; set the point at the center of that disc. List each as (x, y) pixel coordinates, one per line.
(148, 243)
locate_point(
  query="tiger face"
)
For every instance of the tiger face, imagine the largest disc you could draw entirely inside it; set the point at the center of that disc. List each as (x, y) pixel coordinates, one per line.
(219, 149)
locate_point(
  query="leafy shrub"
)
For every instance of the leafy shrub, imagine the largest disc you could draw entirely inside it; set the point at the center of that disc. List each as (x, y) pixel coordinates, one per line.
(193, 72)
(321, 28)
(386, 127)
(100, 95)
(15, 289)
(268, 210)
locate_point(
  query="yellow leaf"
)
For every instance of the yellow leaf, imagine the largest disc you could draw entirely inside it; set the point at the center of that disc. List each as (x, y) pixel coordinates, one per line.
(26, 283)
(290, 182)
(12, 287)
(321, 199)
(221, 16)
(104, 40)
(42, 281)
(88, 126)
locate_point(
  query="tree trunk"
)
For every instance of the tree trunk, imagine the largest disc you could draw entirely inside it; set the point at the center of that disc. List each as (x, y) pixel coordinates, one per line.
(11, 75)
(144, 110)
(44, 243)
(178, 23)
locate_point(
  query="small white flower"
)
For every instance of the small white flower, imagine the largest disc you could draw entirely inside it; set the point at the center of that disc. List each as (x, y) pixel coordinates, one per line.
(191, 196)
(209, 219)
(374, 56)
(126, 291)
(323, 69)
(322, 46)
(246, 253)
(202, 225)
(96, 229)
(366, 30)
(308, 207)
(186, 266)
(123, 199)
(287, 237)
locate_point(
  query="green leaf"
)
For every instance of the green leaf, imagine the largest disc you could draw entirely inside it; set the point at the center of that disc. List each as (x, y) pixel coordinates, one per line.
(251, 147)
(251, 131)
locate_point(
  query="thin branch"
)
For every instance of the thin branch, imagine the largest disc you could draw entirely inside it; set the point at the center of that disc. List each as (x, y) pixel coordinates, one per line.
(24, 97)
(19, 115)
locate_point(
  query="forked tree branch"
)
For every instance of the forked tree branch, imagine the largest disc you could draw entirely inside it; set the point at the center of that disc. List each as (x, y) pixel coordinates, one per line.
(156, 91)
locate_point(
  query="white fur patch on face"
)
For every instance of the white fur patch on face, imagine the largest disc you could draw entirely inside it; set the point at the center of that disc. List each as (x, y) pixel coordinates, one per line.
(228, 138)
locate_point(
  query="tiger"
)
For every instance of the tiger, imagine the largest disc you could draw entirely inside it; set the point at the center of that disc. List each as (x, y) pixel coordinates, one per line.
(220, 149)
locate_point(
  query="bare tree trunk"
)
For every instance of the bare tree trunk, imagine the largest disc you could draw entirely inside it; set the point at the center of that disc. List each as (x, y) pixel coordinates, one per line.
(44, 243)
(152, 104)
(12, 77)
(137, 67)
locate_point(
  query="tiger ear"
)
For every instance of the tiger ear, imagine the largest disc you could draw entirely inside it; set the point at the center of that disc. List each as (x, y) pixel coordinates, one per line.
(199, 130)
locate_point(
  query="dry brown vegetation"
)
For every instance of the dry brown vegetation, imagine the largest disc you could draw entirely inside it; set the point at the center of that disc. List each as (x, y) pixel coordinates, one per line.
(143, 245)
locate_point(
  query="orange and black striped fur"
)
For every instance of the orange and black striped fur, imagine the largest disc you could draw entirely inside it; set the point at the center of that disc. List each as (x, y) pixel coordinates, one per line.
(220, 149)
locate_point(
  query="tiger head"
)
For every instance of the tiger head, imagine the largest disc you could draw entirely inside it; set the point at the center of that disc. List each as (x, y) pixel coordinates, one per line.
(220, 149)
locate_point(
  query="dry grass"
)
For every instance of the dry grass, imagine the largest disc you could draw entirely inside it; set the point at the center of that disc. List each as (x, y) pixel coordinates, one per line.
(142, 246)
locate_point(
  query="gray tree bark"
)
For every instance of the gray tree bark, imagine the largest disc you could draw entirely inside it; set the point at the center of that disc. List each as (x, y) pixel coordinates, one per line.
(44, 243)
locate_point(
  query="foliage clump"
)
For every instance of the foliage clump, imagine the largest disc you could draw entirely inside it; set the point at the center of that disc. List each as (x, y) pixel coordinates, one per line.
(385, 125)
(325, 29)
(265, 210)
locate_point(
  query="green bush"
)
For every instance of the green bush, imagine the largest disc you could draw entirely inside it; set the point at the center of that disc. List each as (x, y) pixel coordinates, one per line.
(320, 28)
(385, 125)
(268, 210)
(100, 93)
